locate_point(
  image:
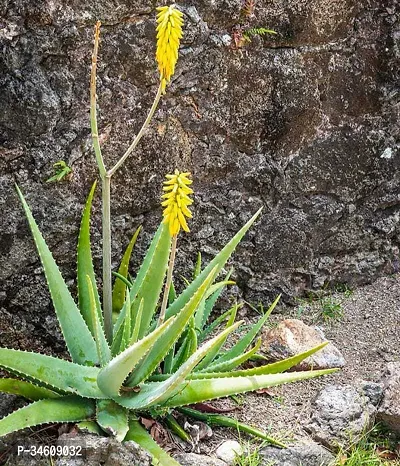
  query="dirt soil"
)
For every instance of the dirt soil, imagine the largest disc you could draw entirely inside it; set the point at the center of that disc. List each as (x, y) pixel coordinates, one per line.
(367, 334)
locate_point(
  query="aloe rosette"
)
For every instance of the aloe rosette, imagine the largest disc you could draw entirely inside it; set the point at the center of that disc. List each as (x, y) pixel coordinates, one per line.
(143, 350)
(151, 367)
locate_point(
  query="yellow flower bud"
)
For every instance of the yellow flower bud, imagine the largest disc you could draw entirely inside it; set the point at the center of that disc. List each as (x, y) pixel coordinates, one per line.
(176, 201)
(169, 33)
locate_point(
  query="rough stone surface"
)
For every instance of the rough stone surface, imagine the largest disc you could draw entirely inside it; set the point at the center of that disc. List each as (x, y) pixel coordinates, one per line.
(292, 336)
(389, 411)
(303, 123)
(228, 451)
(95, 450)
(342, 414)
(305, 453)
(192, 459)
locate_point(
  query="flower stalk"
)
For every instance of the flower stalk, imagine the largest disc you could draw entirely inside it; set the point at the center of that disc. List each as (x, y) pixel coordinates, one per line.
(168, 37)
(175, 202)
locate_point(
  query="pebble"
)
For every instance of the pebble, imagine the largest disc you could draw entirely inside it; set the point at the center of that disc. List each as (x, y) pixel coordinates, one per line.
(229, 450)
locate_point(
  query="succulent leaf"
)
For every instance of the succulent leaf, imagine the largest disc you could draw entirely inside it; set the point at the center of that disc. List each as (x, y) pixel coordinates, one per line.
(53, 372)
(214, 324)
(197, 267)
(202, 312)
(246, 340)
(118, 294)
(85, 266)
(279, 366)
(103, 350)
(112, 418)
(209, 305)
(220, 420)
(126, 334)
(171, 335)
(136, 328)
(66, 409)
(196, 391)
(90, 427)
(139, 434)
(227, 366)
(112, 376)
(215, 350)
(149, 280)
(218, 262)
(152, 394)
(79, 340)
(26, 389)
(273, 368)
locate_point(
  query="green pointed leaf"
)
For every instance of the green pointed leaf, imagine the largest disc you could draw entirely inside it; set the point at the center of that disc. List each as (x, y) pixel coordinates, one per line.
(227, 366)
(78, 338)
(199, 314)
(66, 409)
(136, 328)
(171, 335)
(112, 376)
(85, 266)
(58, 373)
(196, 391)
(171, 294)
(279, 366)
(273, 368)
(245, 341)
(26, 389)
(210, 303)
(149, 281)
(188, 347)
(218, 262)
(139, 434)
(103, 350)
(174, 426)
(197, 267)
(215, 350)
(169, 361)
(117, 338)
(118, 294)
(214, 324)
(220, 420)
(180, 355)
(126, 335)
(112, 418)
(152, 394)
(128, 284)
(90, 427)
(202, 312)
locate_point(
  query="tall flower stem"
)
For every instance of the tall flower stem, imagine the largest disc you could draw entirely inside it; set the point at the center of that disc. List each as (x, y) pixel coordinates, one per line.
(140, 133)
(169, 280)
(106, 183)
(93, 111)
(107, 278)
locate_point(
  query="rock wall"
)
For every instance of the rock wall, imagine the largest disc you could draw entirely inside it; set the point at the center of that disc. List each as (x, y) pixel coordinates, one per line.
(303, 123)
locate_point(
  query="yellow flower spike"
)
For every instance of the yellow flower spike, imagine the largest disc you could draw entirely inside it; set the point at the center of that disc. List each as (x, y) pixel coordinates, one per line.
(176, 201)
(169, 34)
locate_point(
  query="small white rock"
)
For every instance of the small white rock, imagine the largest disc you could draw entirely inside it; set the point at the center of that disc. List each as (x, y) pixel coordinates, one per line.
(228, 451)
(387, 153)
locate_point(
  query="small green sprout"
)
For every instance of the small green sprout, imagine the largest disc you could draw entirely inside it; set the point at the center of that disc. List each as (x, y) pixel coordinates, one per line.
(62, 171)
(249, 33)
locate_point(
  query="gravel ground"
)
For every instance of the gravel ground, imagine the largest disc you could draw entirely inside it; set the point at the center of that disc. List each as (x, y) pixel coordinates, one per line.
(367, 334)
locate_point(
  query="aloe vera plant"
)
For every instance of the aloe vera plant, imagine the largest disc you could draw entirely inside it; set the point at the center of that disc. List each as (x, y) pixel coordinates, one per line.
(148, 369)
(142, 350)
